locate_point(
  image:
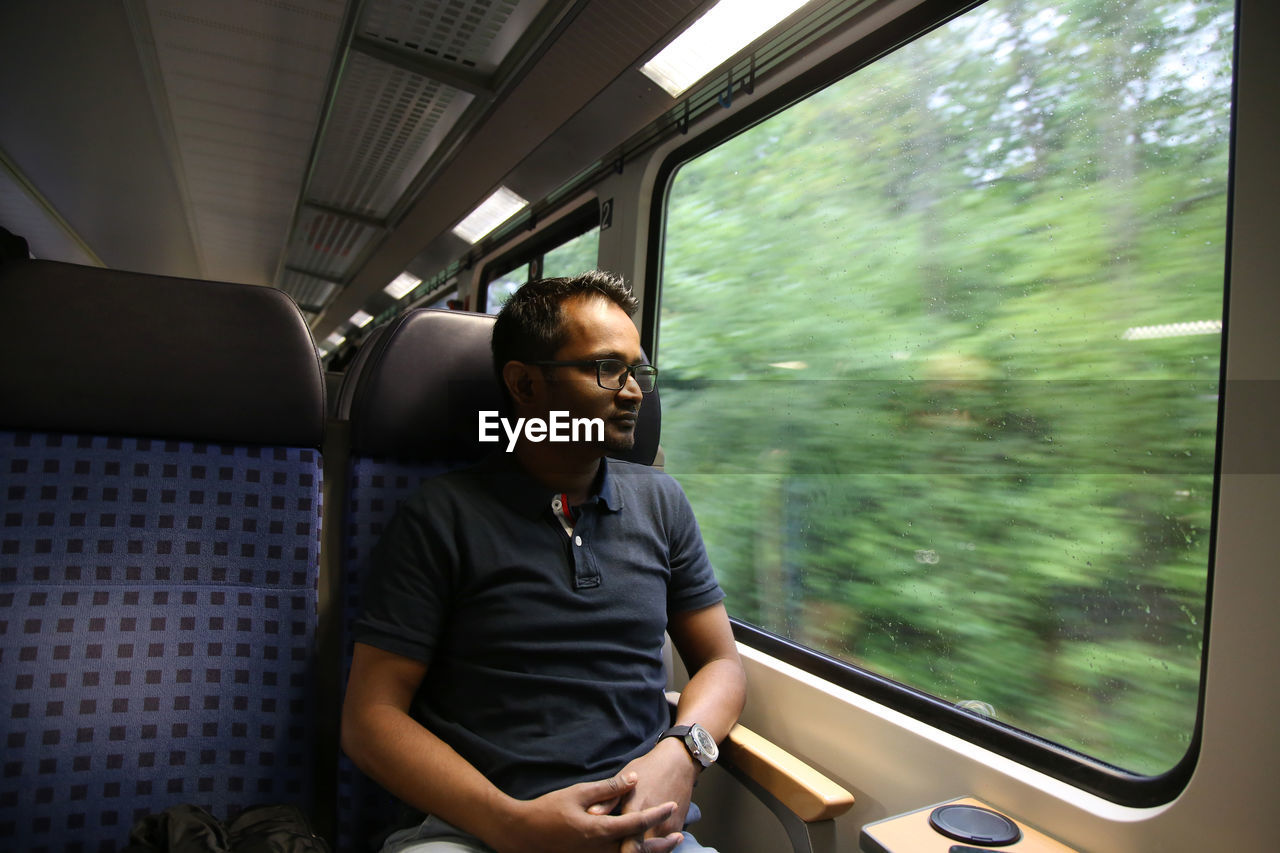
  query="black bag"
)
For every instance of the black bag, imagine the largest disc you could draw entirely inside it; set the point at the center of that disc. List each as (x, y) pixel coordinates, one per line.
(261, 829)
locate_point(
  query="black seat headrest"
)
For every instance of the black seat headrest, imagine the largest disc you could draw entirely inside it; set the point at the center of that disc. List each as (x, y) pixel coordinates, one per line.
(106, 352)
(415, 390)
(407, 392)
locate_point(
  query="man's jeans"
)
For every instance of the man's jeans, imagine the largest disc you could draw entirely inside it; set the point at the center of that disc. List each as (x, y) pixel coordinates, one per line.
(436, 836)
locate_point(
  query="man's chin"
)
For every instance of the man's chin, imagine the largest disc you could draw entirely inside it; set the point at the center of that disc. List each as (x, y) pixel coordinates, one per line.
(617, 441)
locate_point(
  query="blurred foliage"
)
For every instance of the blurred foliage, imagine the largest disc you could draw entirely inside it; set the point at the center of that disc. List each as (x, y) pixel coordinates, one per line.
(567, 259)
(897, 384)
(572, 256)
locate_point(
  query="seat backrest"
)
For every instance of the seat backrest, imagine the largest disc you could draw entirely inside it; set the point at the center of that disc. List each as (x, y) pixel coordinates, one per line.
(396, 396)
(159, 461)
(413, 400)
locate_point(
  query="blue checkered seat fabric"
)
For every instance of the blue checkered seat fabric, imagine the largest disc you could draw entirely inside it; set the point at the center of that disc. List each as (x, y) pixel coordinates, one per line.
(158, 551)
(412, 398)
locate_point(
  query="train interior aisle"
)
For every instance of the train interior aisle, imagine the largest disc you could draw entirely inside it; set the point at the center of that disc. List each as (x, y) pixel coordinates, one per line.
(964, 313)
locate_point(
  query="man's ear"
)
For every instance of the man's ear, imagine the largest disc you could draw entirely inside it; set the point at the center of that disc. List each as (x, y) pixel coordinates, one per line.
(523, 382)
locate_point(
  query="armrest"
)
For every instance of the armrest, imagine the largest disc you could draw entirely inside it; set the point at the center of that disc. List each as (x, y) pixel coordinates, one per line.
(805, 792)
(803, 799)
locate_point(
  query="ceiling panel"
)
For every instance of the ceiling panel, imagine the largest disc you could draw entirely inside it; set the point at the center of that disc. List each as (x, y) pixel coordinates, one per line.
(327, 245)
(385, 123)
(243, 83)
(603, 41)
(414, 72)
(308, 291)
(475, 34)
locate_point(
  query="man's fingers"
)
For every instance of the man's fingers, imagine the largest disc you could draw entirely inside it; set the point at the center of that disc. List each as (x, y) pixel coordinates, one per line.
(604, 806)
(662, 845)
(611, 788)
(637, 823)
(606, 790)
(653, 845)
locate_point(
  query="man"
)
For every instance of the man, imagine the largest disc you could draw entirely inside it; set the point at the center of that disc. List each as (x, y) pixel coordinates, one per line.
(507, 677)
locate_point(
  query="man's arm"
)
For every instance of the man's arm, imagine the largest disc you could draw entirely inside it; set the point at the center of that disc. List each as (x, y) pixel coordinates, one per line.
(713, 698)
(717, 687)
(415, 765)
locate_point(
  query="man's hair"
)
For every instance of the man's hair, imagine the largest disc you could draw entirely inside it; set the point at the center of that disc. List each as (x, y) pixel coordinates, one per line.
(530, 327)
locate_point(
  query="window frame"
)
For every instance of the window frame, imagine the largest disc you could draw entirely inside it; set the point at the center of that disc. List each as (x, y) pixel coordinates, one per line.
(1080, 770)
(532, 251)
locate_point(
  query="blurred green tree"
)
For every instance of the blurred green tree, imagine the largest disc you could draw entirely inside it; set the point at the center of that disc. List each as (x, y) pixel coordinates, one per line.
(913, 373)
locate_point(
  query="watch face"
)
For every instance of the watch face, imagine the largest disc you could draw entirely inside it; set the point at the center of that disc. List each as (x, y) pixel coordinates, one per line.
(706, 743)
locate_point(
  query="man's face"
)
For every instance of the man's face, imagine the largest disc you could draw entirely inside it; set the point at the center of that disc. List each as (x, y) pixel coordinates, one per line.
(597, 328)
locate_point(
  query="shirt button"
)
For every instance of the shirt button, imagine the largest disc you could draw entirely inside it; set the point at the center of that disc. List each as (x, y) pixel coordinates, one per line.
(577, 540)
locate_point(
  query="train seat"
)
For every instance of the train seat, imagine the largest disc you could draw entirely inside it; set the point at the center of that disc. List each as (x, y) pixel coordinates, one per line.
(398, 398)
(158, 556)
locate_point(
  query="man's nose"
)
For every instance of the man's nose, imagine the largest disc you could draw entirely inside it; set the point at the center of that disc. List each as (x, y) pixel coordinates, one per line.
(631, 391)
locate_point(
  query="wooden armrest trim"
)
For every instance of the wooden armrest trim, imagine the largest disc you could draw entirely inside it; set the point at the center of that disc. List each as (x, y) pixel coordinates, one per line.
(799, 787)
(807, 793)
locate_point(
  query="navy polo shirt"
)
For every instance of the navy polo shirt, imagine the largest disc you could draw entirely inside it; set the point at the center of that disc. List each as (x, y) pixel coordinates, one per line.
(543, 651)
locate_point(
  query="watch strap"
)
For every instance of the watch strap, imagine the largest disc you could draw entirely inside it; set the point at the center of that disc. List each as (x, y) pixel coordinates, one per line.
(685, 733)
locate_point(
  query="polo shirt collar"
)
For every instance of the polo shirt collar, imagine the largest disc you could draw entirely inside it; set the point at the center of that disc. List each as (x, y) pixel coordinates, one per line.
(529, 497)
(608, 490)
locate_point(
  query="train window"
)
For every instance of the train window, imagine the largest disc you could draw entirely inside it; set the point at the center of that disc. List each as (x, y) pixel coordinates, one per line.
(572, 257)
(566, 248)
(941, 348)
(501, 288)
(443, 300)
(569, 258)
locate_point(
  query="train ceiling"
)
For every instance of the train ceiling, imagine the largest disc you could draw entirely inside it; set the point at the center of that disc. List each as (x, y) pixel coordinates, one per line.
(319, 146)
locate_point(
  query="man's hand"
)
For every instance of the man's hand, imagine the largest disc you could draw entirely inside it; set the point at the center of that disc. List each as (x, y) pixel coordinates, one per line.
(664, 774)
(572, 820)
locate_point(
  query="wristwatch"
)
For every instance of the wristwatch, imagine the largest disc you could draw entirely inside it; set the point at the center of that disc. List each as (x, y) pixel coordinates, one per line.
(699, 742)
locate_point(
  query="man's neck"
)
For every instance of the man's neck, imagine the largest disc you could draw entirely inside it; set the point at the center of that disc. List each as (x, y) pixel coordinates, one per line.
(564, 472)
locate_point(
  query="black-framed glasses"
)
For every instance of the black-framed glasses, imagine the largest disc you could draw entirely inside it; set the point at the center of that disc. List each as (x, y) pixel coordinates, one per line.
(611, 374)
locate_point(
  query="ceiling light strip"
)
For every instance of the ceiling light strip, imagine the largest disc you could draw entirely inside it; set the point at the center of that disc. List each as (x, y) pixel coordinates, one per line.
(402, 285)
(725, 29)
(492, 212)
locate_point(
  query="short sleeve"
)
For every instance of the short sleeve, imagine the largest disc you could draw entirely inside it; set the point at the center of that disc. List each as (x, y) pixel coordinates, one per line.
(693, 580)
(410, 578)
